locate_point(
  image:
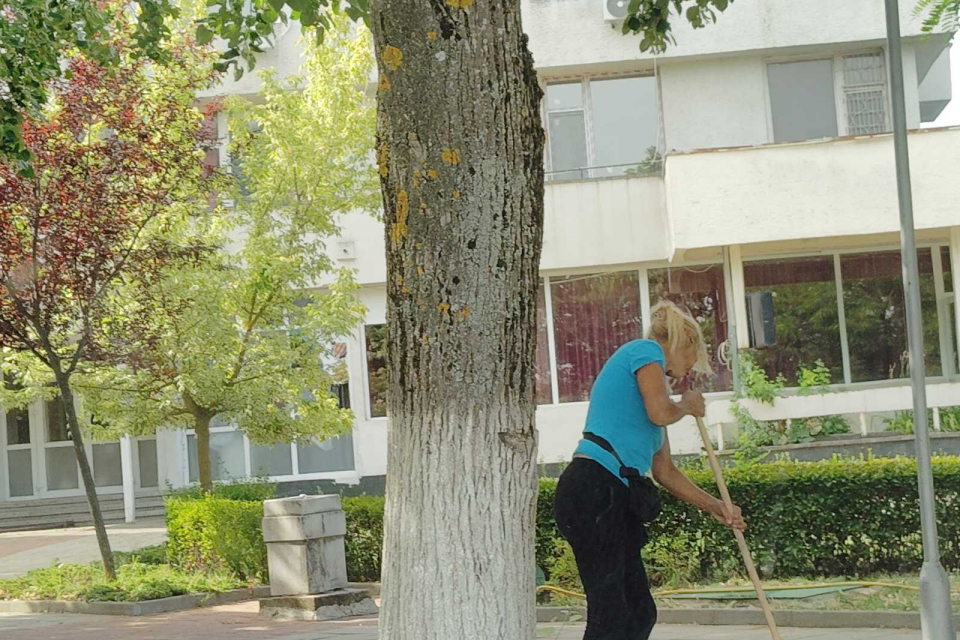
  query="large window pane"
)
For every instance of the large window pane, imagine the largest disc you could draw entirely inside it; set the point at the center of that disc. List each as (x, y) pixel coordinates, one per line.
(326, 456)
(107, 471)
(541, 369)
(802, 101)
(147, 457)
(18, 426)
(226, 456)
(376, 336)
(876, 319)
(625, 122)
(568, 145)
(806, 315)
(271, 461)
(700, 290)
(61, 469)
(57, 430)
(593, 316)
(20, 473)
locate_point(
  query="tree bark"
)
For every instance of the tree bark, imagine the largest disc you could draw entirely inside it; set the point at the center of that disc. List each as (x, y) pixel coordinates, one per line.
(460, 149)
(201, 428)
(89, 487)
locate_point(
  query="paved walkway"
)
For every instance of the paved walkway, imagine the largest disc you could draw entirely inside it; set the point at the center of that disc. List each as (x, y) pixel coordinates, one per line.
(240, 622)
(22, 551)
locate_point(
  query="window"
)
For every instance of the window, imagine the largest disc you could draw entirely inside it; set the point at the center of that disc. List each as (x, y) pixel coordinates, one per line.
(341, 388)
(806, 314)
(802, 101)
(107, 471)
(602, 127)
(325, 456)
(271, 461)
(541, 368)
(593, 316)
(804, 104)
(376, 339)
(57, 430)
(865, 95)
(61, 469)
(701, 291)
(147, 459)
(226, 456)
(875, 315)
(20, 472)
(18, 426)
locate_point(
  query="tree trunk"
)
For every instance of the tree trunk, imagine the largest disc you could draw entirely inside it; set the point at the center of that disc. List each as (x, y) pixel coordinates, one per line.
(89, 487)
(201, 428)
(460, 149)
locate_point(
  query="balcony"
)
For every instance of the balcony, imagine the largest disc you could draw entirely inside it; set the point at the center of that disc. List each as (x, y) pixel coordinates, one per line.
(779, 192)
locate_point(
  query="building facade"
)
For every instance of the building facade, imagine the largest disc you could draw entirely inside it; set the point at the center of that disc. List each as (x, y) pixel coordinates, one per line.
(747, 173)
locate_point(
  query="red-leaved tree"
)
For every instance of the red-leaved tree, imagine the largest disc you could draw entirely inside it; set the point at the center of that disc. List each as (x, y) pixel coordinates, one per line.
(118, 174)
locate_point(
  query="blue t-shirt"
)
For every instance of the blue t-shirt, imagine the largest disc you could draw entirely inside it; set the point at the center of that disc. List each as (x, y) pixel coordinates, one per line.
(617, 413)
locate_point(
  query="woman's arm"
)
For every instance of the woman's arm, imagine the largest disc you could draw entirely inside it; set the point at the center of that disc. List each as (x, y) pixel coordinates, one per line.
(656, 398)
(674, 481)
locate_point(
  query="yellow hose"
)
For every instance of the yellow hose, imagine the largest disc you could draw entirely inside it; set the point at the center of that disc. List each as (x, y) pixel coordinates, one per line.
(789, 587)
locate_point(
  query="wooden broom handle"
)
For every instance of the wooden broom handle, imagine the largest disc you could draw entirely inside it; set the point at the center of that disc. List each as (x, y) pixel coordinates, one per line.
(741, 541)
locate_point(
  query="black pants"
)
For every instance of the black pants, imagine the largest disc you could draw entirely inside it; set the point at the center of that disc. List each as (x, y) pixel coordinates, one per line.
(593, 514)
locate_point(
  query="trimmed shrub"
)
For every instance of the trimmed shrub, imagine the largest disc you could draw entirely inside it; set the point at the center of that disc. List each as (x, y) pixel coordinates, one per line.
(364, 540)
(839, 517)
(214, 535)
(255, 491)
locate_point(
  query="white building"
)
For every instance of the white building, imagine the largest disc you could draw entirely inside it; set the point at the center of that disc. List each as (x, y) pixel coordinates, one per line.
(773, 128)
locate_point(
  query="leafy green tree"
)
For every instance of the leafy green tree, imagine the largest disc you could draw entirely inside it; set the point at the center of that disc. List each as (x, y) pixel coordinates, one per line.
(242, 336)
(939, 14)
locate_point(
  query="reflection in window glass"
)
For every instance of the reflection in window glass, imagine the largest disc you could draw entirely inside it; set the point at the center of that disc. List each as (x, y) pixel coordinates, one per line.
(326, 456)
(226, 456)
(57, 430)
(802, 102)
(18, 427)
(568, 145)
(947, 273)
(593, 316)
(376, 336)
(147, 458)
(625, 122)
(700, 290)
(20, 472)
(541, 369)
(107, 471)
(806, 314)
(875, 312)
(62, 472)
(271, 461)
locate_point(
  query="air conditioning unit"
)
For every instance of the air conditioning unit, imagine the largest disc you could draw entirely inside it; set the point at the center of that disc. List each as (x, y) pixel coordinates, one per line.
(615, 10)
(762, 319)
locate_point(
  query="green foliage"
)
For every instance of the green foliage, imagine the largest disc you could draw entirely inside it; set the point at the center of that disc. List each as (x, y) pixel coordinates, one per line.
(815, 380)
(155, 555)
(256, 491)
(835, 517)
(564, 572)
(651, 19)
(943, 14)
(902, 421)
(651, 165)
(216, 535)
(246, 337)
(364, 540)
(136, 581)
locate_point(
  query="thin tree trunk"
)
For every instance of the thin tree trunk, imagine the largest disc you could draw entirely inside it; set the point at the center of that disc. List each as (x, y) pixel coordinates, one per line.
(89, 487)
(460, 148)
(201, 427)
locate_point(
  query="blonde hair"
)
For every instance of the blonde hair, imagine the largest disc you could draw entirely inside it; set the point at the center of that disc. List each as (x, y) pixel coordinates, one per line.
(675, 327)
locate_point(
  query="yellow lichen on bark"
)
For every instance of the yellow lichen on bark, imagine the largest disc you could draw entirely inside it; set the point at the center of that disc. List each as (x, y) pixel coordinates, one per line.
(383, 160)
(460, 4)
(384, 82)
(451, 156)
(399, 229)
(392, 57)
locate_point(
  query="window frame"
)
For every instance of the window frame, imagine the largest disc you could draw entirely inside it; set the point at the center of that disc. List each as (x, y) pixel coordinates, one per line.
(589, 172)
(839, 93)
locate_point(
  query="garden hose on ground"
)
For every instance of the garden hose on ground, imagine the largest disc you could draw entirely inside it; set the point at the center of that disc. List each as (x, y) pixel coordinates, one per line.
(790, 587)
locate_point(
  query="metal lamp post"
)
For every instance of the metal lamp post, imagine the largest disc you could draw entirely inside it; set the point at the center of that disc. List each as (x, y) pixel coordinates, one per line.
(936, 616)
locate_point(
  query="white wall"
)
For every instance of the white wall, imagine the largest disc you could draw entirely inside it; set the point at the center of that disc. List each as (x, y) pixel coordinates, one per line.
(808, 190)
(572, 34)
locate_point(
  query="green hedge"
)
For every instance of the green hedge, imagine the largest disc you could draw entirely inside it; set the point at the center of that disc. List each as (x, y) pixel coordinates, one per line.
(834, 517)
(364, 540)
(211, 535)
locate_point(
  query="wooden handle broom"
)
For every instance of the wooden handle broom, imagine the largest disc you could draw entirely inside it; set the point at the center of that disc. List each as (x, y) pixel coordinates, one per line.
(741, 541)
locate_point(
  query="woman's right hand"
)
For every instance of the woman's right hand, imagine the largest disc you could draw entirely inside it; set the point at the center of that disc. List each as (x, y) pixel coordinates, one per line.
(692, 402)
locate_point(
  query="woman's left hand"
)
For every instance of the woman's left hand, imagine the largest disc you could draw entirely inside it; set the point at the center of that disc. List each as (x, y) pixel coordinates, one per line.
(727, 517)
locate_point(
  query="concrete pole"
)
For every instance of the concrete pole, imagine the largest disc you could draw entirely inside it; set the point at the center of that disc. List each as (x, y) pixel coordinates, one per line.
(936, 616)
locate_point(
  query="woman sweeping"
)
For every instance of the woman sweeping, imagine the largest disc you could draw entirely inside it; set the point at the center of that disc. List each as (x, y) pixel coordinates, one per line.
(604, 498)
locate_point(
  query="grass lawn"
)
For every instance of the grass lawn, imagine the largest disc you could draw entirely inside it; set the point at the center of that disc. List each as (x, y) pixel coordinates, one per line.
(142, 575)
